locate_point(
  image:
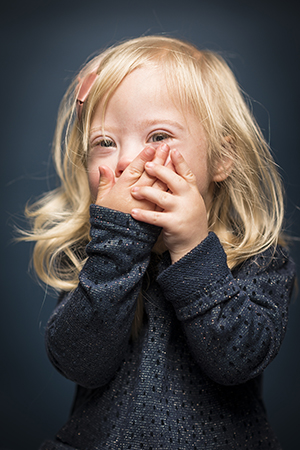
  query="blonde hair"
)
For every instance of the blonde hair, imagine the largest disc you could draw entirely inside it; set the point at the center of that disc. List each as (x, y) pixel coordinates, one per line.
(247, 210)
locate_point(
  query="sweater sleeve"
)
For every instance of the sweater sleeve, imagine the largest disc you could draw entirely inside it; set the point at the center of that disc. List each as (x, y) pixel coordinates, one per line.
(88, 333)
(234, 322)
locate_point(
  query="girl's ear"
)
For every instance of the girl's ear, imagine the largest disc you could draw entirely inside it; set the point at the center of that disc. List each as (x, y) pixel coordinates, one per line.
(225, 163)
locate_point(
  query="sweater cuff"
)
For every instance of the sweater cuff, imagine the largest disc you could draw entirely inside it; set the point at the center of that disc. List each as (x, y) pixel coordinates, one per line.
(105, 220)
(190, 283)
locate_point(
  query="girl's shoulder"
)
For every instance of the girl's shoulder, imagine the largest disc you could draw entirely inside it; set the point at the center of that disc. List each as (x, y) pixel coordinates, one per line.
(273, 260)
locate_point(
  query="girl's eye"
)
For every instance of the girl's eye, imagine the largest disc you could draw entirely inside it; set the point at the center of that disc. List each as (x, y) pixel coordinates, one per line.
(104, 143)
(156, 137)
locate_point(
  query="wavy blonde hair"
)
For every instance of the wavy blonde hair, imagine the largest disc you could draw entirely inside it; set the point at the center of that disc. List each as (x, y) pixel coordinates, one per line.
(247, 210)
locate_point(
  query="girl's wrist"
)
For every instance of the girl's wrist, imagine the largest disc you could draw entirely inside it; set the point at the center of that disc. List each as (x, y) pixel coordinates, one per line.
(179, 253)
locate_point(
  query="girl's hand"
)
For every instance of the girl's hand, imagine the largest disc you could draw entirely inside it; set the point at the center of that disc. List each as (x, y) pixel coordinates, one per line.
(116, 193)
(182, 213)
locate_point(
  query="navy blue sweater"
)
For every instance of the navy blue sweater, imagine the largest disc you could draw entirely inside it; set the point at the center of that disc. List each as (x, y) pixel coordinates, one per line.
(192, 379)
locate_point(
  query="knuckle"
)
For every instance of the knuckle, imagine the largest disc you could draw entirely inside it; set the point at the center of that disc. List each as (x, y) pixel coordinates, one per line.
(134, 172)
(155, 217)
(190, 176)
(164, 197)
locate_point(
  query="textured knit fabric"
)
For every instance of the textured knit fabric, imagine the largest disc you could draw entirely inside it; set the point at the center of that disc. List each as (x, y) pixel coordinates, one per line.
(192, 379)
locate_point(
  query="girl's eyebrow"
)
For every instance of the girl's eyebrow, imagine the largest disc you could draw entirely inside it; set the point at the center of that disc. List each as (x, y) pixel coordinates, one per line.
(149, 123)
(144, 124)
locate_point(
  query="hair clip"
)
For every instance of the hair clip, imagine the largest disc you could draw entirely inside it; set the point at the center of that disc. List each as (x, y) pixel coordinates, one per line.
(84, 91)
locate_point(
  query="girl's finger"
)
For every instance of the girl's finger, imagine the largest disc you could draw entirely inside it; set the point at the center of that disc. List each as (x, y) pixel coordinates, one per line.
(152, 217)
(171, 179)
(106, 181)
(170, 166)
(137, 167)
(181, 167)
(175, 175)
(163, 199)
(161, 155)
(160, 184)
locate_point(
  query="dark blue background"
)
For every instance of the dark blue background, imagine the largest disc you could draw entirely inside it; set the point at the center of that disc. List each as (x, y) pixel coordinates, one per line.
(42, 44)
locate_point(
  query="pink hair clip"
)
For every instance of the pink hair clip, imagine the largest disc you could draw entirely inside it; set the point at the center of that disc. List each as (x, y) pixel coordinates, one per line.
(84, 91)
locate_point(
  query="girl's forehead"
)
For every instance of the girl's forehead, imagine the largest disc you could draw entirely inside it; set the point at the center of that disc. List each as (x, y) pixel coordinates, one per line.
(146, 87)
(151, 83)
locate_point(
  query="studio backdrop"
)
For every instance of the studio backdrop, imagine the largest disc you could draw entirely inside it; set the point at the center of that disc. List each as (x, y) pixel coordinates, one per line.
(43, 44)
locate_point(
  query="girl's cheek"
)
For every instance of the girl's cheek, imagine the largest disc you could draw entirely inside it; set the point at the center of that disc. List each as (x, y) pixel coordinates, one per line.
(93, 178)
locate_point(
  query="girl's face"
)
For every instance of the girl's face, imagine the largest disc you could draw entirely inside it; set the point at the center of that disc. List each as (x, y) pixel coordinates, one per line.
(141, 113)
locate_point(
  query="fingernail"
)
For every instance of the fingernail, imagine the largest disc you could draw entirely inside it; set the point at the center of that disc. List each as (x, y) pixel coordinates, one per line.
(164, 147)
(150, 164)
(149, 151)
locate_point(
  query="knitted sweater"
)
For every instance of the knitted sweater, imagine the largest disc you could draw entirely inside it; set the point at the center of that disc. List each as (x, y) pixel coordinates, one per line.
(192, 378)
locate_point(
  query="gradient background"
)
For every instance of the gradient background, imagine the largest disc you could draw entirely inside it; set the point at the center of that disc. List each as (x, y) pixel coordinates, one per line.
(42, 44)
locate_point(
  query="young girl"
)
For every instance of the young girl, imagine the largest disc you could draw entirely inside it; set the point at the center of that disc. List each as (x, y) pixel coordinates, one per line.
(163, 239)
